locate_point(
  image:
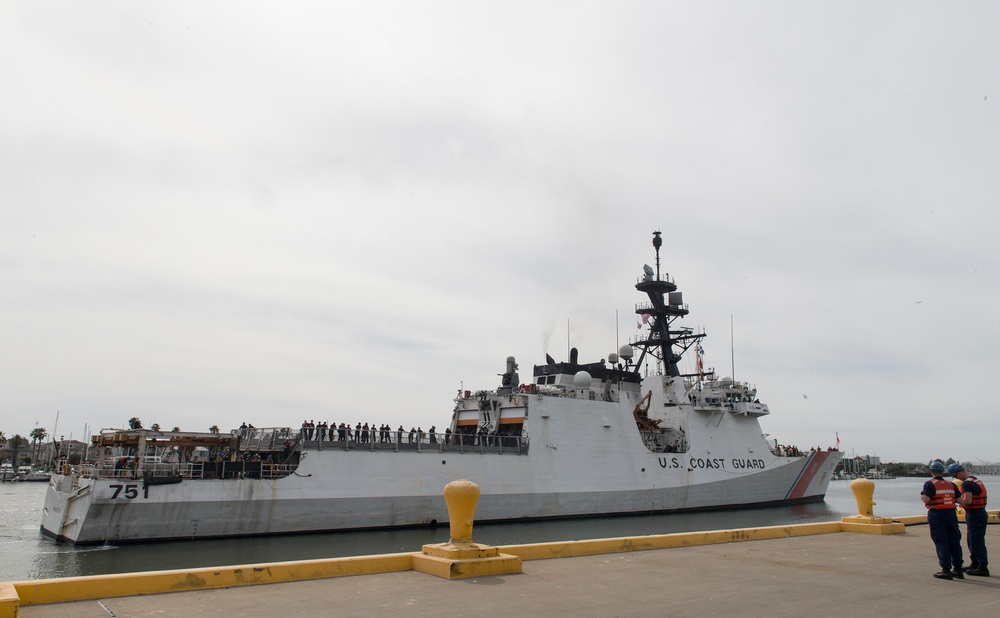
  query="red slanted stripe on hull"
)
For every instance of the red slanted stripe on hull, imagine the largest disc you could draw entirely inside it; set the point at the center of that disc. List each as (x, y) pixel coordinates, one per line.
(813, 465)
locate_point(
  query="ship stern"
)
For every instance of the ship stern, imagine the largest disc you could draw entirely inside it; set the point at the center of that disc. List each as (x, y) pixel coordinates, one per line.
(61, 521)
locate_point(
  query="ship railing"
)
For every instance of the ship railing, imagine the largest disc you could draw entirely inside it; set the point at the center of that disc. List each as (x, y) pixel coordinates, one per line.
(649, 308)
(782, 450)
(193, 470)
(265, 438)
(236, 470)
(487, 443)
(109, 471)
(663, 277)
(436, 442)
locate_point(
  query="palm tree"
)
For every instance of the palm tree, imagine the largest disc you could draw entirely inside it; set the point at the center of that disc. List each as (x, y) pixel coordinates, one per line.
(134, 423)
(155, 426)
(37, 435)
(175, 429)
(16, 441)
(214, 429)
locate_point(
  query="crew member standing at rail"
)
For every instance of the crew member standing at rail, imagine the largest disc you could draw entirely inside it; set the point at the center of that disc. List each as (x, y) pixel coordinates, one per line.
(973, 500)
(939, 496)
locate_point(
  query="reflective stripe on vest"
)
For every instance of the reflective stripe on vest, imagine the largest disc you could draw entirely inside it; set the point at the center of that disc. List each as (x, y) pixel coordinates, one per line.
(944, 495)
(978, 502)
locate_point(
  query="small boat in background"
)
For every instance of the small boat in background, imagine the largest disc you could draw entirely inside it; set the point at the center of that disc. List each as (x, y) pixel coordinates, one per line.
(35, 476)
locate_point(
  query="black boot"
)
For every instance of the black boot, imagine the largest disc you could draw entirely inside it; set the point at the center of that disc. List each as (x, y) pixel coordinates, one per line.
(957, 573)
(944, 574)
(979, 571)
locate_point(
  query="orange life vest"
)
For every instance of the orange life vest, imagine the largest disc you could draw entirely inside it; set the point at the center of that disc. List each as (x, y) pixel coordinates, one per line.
(978, 502)
(944, 495)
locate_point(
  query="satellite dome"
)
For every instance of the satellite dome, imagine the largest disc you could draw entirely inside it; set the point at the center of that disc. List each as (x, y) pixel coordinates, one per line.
(625, 352)
(612, 358)
(582, 379)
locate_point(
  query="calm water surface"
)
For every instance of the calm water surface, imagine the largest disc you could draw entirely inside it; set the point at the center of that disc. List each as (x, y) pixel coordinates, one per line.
(26, 555)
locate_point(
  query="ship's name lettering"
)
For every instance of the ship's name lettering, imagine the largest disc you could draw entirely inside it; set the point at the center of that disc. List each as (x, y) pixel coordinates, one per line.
(713, 463)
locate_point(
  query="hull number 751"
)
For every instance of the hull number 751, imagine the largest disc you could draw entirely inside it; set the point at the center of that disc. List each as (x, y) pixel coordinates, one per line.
(128, 491)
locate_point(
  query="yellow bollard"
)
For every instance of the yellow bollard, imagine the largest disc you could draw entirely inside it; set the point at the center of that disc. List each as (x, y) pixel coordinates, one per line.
(460, 557)
(865, 521)
(461, 497)
(863, 490)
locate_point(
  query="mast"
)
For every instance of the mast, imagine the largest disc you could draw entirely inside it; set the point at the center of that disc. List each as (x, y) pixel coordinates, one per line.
(665, 306)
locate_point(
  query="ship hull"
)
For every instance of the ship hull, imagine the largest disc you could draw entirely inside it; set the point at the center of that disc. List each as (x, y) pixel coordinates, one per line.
(405, 489)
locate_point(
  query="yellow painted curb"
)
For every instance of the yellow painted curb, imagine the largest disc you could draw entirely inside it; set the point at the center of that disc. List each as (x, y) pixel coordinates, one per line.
(59, 590)
(993, 517)
(9, 600)
(891, 527)
(565, 549)
(911, 520)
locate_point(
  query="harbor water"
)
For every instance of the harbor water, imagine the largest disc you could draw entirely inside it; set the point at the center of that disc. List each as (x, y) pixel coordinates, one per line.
(26, 555)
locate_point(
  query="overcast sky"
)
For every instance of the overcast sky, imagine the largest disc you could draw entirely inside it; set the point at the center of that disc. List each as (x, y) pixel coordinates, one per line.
(214, 212)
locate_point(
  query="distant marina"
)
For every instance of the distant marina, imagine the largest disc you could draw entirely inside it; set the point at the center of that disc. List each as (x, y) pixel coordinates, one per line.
(871, 467)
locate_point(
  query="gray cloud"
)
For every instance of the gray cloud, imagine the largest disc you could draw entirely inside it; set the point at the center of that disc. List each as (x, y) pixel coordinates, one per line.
(349, 211)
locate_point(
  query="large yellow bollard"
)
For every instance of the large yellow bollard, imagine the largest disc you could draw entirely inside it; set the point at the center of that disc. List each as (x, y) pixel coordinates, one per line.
(865, 521)
(460, 557)
(462, 497)
(863, 490)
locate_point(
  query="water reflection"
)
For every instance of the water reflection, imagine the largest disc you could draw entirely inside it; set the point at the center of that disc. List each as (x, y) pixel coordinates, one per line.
(64, 561)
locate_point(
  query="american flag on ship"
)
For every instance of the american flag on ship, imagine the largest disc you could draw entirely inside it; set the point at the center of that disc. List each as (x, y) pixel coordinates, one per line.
(701, 365)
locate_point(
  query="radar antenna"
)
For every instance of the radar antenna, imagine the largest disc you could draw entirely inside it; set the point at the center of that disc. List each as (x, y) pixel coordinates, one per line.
(664, 307)
(657, 243)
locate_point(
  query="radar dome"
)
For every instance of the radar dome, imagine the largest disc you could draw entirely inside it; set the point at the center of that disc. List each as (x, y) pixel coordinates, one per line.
(625, 352)
(612, 358)
(582, 379)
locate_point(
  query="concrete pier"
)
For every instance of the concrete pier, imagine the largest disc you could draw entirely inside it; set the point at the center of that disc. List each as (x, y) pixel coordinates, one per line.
(812, 573)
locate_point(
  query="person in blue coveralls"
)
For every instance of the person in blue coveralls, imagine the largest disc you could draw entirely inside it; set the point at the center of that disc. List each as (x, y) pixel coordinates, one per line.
(940, 497)
(973, 500)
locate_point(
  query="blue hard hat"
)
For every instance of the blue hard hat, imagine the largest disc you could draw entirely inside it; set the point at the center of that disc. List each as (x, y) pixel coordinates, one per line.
(955, 468)
(937, 466)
